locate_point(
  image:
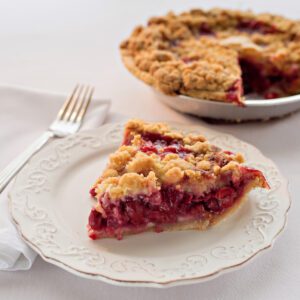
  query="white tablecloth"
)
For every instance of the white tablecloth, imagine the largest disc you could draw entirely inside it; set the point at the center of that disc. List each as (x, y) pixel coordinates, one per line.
(53, 44)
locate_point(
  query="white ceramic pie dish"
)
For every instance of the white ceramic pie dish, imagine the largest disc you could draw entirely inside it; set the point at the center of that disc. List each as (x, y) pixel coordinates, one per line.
(256, 109)
(50, 205)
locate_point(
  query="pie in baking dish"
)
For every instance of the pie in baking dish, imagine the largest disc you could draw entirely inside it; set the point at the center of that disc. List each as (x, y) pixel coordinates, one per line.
(217, 54)
(160, 179)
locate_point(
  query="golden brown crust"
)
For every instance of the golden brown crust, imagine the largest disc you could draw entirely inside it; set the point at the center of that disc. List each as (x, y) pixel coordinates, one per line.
(196, 53)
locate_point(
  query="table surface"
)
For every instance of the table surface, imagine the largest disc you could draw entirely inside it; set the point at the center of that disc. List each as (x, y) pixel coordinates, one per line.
(51, 45)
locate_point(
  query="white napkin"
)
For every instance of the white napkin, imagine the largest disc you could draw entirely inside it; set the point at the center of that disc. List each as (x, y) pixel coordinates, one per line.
(24, 115)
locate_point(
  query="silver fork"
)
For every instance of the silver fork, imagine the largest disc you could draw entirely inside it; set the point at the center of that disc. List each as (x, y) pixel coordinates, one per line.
(68, 120)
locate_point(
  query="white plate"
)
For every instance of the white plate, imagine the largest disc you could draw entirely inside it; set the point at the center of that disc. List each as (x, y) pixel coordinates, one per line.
(50, 205)
(256, 109)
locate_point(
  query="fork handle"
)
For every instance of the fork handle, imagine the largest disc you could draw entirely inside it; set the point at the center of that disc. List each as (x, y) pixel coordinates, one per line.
(15, 166)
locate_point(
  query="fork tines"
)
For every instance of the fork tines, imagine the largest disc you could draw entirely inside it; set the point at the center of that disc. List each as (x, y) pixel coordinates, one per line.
(75, 106)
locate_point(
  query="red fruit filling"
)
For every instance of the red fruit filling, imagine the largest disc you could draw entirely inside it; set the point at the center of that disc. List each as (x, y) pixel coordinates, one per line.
(160, 144)
(235, 92)
(271, 95)
(253, 26)
(166, 206)
(268, 80)
(204, 29)
(154, 138)
(93, 192)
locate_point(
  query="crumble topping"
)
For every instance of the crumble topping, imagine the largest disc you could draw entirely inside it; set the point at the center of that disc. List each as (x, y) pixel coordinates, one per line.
(132, 171)
(198, 53)
(137, 126)
(128, 184)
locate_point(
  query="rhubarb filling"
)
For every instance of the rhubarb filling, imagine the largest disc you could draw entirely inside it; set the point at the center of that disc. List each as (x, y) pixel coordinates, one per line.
(168, 205)
(268, 81)
(254, 26)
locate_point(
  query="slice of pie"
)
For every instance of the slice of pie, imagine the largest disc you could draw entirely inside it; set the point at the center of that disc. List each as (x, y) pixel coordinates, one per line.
(160, 179)
(217, 54)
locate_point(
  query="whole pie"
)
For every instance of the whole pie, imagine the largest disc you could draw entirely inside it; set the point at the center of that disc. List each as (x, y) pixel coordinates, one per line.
(217, 54)
(160, 179)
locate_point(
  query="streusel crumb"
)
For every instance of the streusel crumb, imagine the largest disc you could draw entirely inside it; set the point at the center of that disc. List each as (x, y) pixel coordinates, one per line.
(132, 168)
